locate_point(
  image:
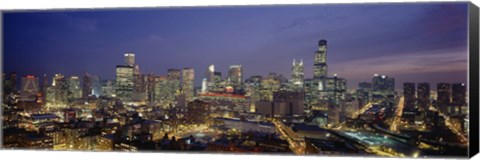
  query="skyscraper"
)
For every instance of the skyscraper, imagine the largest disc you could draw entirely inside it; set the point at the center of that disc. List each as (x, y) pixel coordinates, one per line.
(409, 94)
(204, 85)
(423, 96)
(129, 59)
(108, 88)
(217, 78)
(443, 97)
(150, 87)
(57, 92)
(210, 74)
(9, 83)
(383, 87)
(297, 73)
(124, 82)
(320, 67)
(235, 75)
(364, 93)
(459, 91)
(45, 83)
(30, 88)
(162, 90)
(87, 85)
(188, 77)
(60, 82)
(409, 109)
(173, 75)
(73, 88)
(96, 86)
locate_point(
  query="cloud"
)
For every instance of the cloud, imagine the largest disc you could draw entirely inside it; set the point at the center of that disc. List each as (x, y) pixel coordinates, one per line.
(77, 23)
(427, 62)
(325, 17)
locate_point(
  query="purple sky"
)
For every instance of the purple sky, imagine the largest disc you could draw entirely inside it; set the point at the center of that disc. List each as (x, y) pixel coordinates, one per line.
(413, 42)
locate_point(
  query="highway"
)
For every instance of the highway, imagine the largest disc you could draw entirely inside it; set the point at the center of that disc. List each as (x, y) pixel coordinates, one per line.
(398, 114)
(450, 126)
(362, 110)
(296, 147)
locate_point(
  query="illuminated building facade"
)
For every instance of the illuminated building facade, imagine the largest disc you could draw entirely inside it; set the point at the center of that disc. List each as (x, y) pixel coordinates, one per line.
(284, 103)
(218, 80)
(73, 91)
(188, 79)
(320, 66)
(409, 109)
(96, 86)
(459, 91)
(297, 74)
(30, 88)
(443, 97)
(108, 88)
(57, 92)
(124, 83)
(235, 75)
(253, 85)
(173, 77)
(162, 90)
(423, 96)
(364, 93)
(210, 74)
(44, 83)
(383, 87)
(139, 85)
(87, 85)
(129, 59)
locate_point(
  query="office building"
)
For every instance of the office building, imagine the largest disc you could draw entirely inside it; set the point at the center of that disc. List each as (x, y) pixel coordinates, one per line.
(9, 83)
(210, 75)
(383, 88)
(235, 75)
(459, 91)
(87, 85)
(297, 74)
(409, 94)
(188, 79)
(129, 59)
(284, 103)
(74, 90)
(124, 83)
(423, 96)
(443, 97)
(320, 66)
(30, 88)
(173, 77)
(108, 88)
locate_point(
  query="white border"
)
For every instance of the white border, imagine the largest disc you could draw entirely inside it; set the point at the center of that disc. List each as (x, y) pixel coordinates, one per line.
(71, 4)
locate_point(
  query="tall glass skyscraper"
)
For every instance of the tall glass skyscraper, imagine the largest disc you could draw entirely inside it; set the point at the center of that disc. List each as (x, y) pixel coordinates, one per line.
(129, 59)
(124, 82)
(297, 73)
(235, 75)
(320, 67)
(30, 88)
(188, 78)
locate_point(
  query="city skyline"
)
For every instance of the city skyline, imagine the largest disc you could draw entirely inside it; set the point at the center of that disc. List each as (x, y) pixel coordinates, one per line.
(70, 41)
(363, 79)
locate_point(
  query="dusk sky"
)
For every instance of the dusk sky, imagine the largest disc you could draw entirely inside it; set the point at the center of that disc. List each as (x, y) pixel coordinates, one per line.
(413, 42)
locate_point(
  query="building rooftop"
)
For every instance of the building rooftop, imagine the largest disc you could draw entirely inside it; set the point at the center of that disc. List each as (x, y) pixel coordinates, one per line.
(44, 116)
(246, 121)
(305, 127)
